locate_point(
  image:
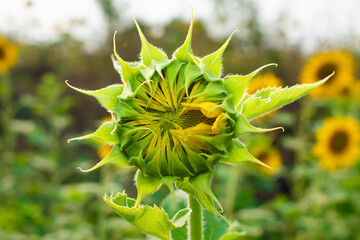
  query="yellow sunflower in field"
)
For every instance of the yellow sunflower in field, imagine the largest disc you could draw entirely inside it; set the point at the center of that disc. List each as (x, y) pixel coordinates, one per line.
(337, 143)
(8, 54)
(354, 91)
(322, 65)
(264, 81)
(269, 156)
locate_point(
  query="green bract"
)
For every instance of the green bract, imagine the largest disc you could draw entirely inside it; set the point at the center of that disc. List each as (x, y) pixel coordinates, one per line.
(175, 119)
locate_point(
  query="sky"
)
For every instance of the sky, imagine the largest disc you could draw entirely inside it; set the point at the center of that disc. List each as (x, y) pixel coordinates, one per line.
(304, 22)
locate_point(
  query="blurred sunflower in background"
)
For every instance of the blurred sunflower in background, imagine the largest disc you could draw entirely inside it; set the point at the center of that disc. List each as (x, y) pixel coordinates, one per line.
(337, 143)
(263, 81)
(8, 54)
(269, 156)
(322, 65)
(262, 148)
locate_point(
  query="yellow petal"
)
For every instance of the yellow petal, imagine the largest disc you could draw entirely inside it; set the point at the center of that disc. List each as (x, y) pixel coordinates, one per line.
(199, 129)
(219, 124)
(188, 136)
(209, 109)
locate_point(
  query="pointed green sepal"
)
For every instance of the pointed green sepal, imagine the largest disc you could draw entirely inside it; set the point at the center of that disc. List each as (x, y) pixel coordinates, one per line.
(147, 73)
(239, 154)
(242, 126)
(184, 52)
(213, 61)
(269, 99)
(104, 133)
(146, 185)
(214, 91)
(199, 187)
(106, 96)
(150, 220)
(192, 73)
(148, 51)
(169, 181)
(159, 66)
(115, 157)
(236, 85)
(127, 72)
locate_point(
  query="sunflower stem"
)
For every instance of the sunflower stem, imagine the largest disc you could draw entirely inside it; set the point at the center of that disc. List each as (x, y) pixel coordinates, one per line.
(195, 222)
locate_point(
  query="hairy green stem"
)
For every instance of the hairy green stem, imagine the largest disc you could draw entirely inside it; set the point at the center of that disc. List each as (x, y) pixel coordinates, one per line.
(195, 222)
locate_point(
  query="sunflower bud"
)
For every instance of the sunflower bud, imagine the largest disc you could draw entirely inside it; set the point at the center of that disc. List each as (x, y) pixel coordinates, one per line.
(175, 119)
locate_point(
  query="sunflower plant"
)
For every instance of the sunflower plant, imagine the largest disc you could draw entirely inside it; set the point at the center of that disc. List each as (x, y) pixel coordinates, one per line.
(323, 64)
(337, 143)
(174, 120)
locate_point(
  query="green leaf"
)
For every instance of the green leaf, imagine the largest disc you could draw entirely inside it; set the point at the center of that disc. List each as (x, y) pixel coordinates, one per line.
(242, 126)
(128, 72)
(106, 96)
(269, 99)
(116, 157)
(216, 228)
(105, 133)
(239, 154)
(184, 52)
(146, 185)
(235, 232)
(213, 61)
(236, 85)
(148, 51)
(150, 220)
(199, 187)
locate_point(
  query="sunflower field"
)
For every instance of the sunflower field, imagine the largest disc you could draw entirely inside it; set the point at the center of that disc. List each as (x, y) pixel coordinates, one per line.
(245, 136)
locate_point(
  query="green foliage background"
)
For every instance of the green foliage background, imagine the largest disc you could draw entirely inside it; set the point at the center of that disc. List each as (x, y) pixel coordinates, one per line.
(44, 196)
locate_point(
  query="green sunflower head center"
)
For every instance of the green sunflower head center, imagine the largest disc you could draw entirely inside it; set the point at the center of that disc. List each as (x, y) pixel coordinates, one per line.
(326, 70)
(172, 125)
(167, 120)
(339, 141)
(193, 118)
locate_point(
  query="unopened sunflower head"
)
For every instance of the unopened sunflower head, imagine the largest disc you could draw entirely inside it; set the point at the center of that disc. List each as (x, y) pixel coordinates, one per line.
(175, 119)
